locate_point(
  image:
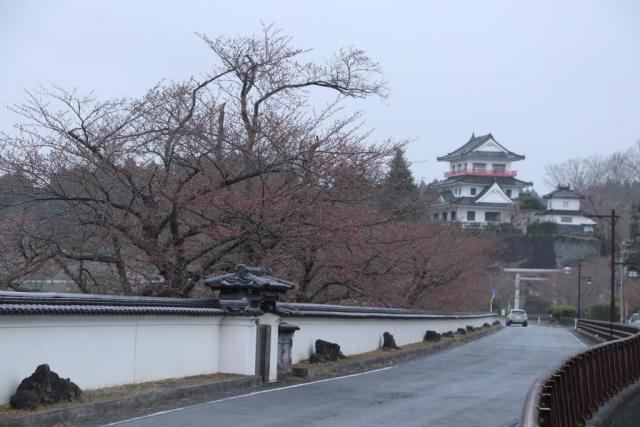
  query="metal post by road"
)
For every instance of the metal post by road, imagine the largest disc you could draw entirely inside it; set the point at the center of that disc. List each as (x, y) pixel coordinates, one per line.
(516, 300)
(612, 305)
(579, 288)
(622, 271)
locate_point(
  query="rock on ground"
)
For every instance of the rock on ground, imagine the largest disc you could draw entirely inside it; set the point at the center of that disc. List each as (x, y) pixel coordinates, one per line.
(432, 336)
(389, 343)
(326, 352)
(44, 387)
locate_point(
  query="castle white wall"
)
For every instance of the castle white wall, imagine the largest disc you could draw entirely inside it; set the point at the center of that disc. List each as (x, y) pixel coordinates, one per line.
(363, 335)
(564, 204)
(575, 219)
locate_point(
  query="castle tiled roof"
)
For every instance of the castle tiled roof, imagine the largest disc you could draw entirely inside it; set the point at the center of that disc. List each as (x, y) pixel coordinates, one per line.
(503, 181)
(563, 192)
(451, 199)
(477, 141)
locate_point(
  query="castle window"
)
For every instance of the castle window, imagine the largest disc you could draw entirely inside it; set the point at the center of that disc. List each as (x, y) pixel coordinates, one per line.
(566, 219)
(471, 215)
(509, 192)
(479, 166)
(453, 215)
(444, 216)
(492, 216)
(473, 191)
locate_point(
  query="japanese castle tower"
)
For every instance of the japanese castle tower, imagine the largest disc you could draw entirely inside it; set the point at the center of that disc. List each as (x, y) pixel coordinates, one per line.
(480, 187)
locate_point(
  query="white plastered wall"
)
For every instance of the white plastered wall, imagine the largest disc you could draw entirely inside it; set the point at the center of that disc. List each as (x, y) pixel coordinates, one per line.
(237, 344)
(101, 351)
(363, 335)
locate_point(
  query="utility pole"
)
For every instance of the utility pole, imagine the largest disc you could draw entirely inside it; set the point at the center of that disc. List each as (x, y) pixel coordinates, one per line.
(612, 304)
(622, 263)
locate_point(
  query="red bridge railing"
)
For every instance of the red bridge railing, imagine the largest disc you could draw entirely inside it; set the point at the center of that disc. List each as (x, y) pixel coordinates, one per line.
(571, 393)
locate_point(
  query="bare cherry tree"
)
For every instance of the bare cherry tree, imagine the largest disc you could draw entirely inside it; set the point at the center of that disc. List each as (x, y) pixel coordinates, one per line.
(162, 188)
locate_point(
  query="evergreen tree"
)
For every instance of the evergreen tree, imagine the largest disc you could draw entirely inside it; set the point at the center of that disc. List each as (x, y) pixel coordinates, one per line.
(399, 177)
(634, 226)
(633, 257)
(399, 190)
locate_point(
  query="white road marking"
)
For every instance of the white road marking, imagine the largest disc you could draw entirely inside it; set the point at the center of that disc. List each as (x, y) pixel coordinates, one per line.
(155, 414)
(576, 338)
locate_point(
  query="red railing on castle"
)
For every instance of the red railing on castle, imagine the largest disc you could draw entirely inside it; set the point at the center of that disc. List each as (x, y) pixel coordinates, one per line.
(480, 172)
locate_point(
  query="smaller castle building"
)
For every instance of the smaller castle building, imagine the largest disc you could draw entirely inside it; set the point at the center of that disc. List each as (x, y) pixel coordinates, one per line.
(563, 209)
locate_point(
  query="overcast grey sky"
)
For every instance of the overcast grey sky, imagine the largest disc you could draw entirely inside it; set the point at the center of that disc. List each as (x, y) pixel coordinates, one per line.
(550, 79)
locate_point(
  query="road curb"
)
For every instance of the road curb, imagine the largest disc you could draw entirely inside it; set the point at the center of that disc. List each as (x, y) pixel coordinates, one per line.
(111, 409)
(592, 337)
(349, 366)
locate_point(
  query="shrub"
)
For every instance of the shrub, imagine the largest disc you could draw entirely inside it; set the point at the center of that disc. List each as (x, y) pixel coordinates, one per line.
(546, 227)
(530, 202)
(559, 311)
(601, 311)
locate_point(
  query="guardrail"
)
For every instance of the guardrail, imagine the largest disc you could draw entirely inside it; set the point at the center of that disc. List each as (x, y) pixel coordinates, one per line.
(606, 331)
(571, 393)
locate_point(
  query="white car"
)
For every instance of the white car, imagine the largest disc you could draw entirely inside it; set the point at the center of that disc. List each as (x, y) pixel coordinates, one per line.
(517, 316)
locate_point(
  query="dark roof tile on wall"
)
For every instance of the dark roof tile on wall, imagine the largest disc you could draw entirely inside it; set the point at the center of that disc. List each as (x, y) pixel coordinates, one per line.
(88, 304)
(106, 310)
(346, 311)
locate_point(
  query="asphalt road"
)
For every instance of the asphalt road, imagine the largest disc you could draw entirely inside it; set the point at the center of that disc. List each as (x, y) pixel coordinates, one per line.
(482, 383)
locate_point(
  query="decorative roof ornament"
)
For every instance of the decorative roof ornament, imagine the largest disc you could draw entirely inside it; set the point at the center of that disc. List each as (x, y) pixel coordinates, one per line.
(244, 277)
(251, 284)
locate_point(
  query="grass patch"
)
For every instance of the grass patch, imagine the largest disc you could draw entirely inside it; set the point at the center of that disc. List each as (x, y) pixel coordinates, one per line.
(122, 391)
(376, 353)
